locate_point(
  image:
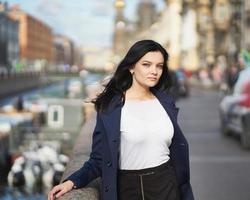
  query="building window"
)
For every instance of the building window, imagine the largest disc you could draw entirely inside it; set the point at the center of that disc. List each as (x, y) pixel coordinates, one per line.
(55, 116)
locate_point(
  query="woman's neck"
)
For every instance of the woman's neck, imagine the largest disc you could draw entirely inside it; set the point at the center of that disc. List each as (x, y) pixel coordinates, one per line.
(139, 93)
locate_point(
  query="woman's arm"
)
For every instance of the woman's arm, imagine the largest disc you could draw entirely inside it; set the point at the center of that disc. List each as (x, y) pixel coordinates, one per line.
(186, 192)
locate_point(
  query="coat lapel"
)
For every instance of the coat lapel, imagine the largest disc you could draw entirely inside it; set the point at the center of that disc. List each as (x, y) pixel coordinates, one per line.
(111, 118)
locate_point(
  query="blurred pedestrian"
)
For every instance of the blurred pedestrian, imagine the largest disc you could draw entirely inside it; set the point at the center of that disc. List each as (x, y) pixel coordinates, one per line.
(244, 74)
(232, 76)
(174, 89)
(217, 75)
(138, 147)
(19, 104)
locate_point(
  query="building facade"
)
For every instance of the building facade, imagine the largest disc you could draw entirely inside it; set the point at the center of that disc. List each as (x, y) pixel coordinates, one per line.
(147, 14)
(119, 37)
(198, 33)
(245, 24)
(9, 40)
(35, 37)
(63, 50)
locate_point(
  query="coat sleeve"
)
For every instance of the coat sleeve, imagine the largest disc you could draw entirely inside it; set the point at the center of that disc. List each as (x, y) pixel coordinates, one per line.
(91, 169)
(180, 157)
(186, 192)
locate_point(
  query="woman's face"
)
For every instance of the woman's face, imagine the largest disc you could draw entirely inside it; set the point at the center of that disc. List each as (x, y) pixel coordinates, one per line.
(147, 71)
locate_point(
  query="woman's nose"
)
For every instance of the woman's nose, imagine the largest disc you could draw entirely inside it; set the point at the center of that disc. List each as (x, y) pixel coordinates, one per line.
(153, 70)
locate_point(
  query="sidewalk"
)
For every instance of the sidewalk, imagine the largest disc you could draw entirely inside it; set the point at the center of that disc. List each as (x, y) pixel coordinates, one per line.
(207, 85)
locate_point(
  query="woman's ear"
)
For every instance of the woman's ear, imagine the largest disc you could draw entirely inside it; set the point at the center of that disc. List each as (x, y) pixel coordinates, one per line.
(131, 70)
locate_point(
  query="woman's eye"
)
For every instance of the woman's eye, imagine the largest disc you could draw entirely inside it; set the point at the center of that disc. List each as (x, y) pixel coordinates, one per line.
(160, 66)
(146, 65)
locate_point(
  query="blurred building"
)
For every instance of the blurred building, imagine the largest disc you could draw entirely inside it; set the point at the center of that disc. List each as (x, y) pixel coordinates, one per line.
(235, 31)
(147, 14)
(189, 37)
(66, 53)
(63, 50)
(196, 33)
(9, 41)
(35, 37)
(245, 24)
(119, 38)
(98, 59)
(78, 57)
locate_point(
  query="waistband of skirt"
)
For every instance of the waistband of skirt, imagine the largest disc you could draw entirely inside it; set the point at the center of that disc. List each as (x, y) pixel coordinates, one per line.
(146, 171)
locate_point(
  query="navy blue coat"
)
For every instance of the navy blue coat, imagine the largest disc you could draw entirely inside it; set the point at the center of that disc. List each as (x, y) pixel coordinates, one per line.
(104, 157)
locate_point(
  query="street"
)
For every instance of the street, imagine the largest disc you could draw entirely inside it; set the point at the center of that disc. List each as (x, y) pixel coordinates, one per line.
(220, 168)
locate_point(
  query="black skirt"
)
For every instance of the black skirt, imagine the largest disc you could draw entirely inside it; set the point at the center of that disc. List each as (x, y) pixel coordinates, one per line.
(156, 183)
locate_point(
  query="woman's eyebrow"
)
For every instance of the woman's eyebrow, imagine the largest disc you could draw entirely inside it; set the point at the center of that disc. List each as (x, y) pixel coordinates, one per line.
(146, 61)
(151, 62)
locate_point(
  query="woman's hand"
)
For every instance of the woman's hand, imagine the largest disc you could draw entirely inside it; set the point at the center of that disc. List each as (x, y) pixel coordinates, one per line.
(61, 189)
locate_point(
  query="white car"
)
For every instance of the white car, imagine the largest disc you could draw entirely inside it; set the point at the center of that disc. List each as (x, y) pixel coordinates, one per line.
(235, 114)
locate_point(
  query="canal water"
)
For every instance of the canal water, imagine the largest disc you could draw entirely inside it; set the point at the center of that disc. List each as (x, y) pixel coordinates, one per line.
(56, 90)
(6, 193)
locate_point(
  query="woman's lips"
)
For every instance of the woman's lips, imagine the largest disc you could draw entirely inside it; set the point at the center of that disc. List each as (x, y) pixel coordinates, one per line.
(152, 79)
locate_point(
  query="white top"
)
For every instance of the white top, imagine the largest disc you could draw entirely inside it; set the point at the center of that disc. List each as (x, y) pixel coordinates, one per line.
(146, 134)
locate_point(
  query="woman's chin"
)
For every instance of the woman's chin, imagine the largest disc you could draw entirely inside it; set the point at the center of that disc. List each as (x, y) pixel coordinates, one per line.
(150, 85)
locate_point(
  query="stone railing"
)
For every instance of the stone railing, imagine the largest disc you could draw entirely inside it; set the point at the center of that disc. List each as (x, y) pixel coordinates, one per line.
(80, 154)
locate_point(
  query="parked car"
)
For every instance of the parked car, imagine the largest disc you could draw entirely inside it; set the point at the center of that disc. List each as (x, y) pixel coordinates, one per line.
(235, 114)
(183, 86)
(180, 85)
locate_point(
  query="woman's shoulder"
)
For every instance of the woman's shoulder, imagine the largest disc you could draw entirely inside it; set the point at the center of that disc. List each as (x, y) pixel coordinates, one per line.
(115, 102)
(164, 94)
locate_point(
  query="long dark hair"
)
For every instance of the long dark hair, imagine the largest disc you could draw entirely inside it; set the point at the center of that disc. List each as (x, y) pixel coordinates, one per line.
(122, 78)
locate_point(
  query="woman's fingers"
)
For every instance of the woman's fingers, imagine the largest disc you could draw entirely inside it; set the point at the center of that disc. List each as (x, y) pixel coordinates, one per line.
(52, 193)
(59, 190)
(59, 194)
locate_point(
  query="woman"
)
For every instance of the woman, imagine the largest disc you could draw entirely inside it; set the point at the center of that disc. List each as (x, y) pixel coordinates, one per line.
(138, 148)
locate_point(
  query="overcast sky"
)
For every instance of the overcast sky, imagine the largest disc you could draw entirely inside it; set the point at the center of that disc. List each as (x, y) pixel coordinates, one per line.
(87, 22)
